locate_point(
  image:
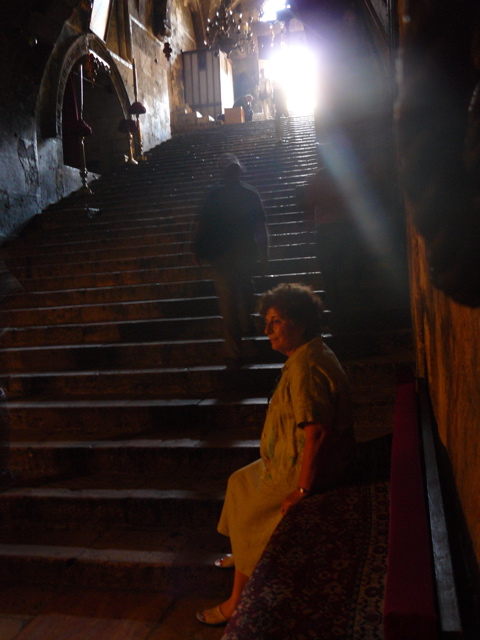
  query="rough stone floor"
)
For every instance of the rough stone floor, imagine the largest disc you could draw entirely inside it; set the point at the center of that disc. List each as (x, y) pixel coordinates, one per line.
(36, 613)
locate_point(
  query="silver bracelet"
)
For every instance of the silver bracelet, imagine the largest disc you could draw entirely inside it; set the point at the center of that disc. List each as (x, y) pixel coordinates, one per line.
(302, 490)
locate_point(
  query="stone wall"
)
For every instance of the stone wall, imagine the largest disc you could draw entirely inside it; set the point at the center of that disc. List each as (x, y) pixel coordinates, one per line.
(447, 338)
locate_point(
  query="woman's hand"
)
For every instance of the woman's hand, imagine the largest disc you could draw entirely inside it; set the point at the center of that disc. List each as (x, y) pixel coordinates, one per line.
(292, 499)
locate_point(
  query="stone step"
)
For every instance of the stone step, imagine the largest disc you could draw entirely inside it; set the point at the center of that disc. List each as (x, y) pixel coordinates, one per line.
(264, 160)
(164, 242)
(114, 501)
(112, 259)
(152, 225)
(181, 382)
(115, 332)
(148, 191)
(171, 220)
(43, 419)
(126, 293)
(26, 310)
(288, 269)
(157, 559)
(126, 309)
(108, 295)
(194, 352)
(137, 383)
(196, 418)
(172, 459)
(125, 263)
(128, 355)
(179, 329)
(110, 235)
(151, 195)
(135, 557)
(113, 312)
(168, 264)
(79, 219)
(173, 489)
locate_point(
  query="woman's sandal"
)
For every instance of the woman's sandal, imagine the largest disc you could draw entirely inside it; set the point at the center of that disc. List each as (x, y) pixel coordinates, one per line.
(212, 617)
(227, 562)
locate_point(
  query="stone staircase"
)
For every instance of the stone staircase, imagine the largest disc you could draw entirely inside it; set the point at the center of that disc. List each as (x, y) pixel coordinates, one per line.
(125, 423)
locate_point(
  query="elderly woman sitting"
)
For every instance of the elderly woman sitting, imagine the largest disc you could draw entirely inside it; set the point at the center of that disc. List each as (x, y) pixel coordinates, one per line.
(307, 444)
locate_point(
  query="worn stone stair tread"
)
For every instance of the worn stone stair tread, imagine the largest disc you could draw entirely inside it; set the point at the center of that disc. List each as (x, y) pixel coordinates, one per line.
(134, 547)
(97, 312)
(98, 402)
(116, 499)
(135, 537)
(124, 311)
(376, 364)
(235, 398)
(97, 295)
(45, 419)
(170, 221)
(175, 252)
(183, 572)
(171, 265)
(109, 292)
(217, 441)
(210, 381)
(153, 370)
(142, 330)
(98, 553)
(144, 383)
(161, 241)
(120, 486)
(155, 274)
(76, 252)
(147, 330)
(176, 573)
(110, 419)
(204, 274)
(347, 348)
(281, 209)
(279, 225)
(147, 344)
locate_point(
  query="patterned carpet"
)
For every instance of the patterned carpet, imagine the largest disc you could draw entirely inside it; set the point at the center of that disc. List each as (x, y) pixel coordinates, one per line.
(322, 575)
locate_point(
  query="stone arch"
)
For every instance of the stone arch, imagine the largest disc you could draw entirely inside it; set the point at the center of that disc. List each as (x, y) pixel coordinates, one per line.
(54, 81)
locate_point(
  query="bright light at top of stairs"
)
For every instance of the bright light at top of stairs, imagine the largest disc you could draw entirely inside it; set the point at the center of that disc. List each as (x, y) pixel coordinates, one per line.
(294, 67)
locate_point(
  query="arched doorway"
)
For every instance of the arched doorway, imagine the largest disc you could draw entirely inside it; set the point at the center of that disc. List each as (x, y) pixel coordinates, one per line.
(91, 106)
(82, 82)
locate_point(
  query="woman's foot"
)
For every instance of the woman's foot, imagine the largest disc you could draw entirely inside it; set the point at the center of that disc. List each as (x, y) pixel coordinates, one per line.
(227, 562)
(212, 617)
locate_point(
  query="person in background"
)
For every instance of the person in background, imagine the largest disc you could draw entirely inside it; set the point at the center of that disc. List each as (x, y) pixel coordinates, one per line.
(246, 103)
(265, 95)
(231, 235)
(307, 444)
(281, 108)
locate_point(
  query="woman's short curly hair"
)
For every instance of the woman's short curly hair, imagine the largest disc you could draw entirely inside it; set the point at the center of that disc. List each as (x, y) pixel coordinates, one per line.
(298, 303)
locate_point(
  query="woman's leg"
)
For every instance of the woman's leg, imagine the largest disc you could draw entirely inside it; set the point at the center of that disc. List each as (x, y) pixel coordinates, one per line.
(219, 615)
(239, 581)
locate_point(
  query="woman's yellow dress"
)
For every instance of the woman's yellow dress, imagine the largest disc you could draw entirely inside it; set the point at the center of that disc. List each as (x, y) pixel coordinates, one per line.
(313, 388)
